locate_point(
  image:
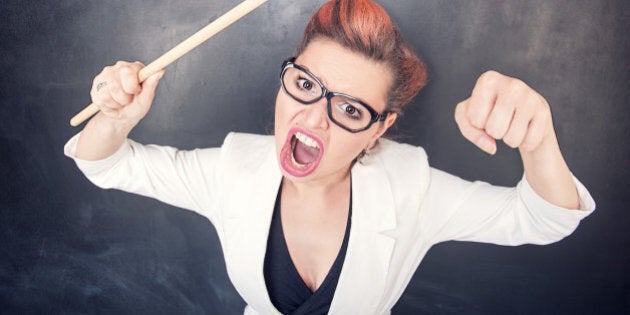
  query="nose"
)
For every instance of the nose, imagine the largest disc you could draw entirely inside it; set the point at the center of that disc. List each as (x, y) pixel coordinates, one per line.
(316, 115)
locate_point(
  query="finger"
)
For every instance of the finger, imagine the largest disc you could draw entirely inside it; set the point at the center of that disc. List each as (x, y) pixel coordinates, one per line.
(100, 94)
(118, 94)
(475, 135)
(129, 78)
(145, 98)
(483, 98)
(100, 82)
(500, 116)
(518, 130)
(514, 94)
(103, 85)
(537, 130)
(519, 127)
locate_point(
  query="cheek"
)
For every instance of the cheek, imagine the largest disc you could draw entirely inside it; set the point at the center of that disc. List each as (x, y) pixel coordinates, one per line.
(360, 141)
(283, 110)
(280, 114)
(347, 147)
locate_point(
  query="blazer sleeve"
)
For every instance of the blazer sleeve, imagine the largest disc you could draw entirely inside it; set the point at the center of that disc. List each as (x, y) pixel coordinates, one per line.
(456, 209)
(185, 179)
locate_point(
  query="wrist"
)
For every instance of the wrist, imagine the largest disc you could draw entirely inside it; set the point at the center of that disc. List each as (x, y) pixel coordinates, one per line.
(548, 174)
(113, 126)
(102, 136)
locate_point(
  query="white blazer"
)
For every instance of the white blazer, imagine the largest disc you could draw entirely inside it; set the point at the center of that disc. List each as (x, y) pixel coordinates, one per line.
(401, 207)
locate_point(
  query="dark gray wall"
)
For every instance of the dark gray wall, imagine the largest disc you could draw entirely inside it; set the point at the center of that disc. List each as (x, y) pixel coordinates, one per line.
(69, 247)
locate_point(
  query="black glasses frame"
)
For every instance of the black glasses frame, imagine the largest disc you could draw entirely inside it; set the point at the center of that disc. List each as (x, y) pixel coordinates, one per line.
(290, 63)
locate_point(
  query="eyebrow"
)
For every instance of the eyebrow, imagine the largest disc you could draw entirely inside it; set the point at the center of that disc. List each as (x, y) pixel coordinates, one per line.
(323, 81)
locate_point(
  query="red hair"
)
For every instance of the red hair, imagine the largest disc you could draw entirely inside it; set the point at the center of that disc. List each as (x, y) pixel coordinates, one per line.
(364, 27)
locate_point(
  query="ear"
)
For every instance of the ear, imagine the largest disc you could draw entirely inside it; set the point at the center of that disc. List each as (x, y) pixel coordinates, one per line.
(389, 121)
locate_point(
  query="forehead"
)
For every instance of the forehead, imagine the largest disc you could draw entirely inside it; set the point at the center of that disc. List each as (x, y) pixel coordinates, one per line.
(344, 71)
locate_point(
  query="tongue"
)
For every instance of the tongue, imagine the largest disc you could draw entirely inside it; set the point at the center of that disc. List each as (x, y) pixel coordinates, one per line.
(304, 154)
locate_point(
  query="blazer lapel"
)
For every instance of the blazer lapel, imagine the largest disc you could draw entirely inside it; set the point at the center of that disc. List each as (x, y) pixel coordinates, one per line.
(363, 276)
(247, 228)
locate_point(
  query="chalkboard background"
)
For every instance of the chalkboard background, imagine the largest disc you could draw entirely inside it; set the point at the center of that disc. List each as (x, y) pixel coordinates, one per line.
(69, 247)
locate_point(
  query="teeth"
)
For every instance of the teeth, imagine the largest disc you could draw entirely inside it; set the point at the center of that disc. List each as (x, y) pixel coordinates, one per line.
(306, 140)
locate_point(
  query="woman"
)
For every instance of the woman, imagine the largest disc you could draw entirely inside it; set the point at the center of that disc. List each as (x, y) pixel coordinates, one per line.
(324, 217)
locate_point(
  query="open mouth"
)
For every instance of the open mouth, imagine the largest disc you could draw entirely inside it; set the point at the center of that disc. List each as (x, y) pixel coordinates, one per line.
(301, 153)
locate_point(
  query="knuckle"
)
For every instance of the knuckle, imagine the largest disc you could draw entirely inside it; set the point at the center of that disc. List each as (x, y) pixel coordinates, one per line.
(101, 102)
(121, 98)
(98, 96)
(489, 77)
(527, 145)
(546, 109)
(546, 114)
(125, 71)
(114, 88)
(474, 118)
(459, 111)
(494, 130)
(459, 121)
(476, 123)
(493, 133)
(517, 85)
(511, 141)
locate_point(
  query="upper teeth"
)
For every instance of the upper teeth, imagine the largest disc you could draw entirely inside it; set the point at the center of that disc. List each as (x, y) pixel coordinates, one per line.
(306, 140)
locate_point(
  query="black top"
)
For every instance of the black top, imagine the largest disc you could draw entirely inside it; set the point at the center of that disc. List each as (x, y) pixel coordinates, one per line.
(288, 292)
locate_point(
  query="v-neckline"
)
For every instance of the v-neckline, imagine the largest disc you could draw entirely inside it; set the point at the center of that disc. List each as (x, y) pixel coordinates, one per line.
(338, 259)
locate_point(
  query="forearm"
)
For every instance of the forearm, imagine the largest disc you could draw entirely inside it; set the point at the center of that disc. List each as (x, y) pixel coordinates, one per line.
(548, 174)
(101, 137)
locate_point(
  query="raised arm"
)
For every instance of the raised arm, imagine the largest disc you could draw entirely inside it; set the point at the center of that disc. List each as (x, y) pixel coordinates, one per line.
(505, 108)
(186, 179)
(123, 102)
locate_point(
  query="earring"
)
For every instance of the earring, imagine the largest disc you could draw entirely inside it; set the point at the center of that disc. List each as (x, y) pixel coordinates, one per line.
(363, 155)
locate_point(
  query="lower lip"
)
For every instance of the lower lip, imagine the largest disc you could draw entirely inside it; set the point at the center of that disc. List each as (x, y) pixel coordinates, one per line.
(286, 157)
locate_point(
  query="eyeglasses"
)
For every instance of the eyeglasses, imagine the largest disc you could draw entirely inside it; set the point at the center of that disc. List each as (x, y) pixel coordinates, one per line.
(345, 111)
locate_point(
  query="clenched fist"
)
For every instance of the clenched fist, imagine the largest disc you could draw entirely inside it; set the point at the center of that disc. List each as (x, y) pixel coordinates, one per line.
(504, 108)
(119, 94)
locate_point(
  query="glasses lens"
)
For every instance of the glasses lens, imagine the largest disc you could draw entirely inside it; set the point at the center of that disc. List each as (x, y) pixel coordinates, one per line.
(300, 85)
(349, 112)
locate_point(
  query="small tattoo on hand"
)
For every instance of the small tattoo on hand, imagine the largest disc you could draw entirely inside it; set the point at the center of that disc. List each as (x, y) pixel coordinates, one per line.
(101, 85)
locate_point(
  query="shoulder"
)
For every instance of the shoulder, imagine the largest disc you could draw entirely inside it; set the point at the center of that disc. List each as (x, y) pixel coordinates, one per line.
(247, 141)
(394, 155)
(246, 149)
(397, 149)
(398, 170)
(405, 165)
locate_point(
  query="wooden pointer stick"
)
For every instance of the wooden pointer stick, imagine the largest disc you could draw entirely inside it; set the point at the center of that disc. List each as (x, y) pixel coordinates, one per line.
(184, 47)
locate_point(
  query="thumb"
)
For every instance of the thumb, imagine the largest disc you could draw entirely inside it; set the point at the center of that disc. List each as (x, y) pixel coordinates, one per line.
(475, 135)
(146, 95)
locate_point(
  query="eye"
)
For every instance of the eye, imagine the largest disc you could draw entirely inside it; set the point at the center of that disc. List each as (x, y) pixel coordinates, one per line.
(350, 111)
(305, 84)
